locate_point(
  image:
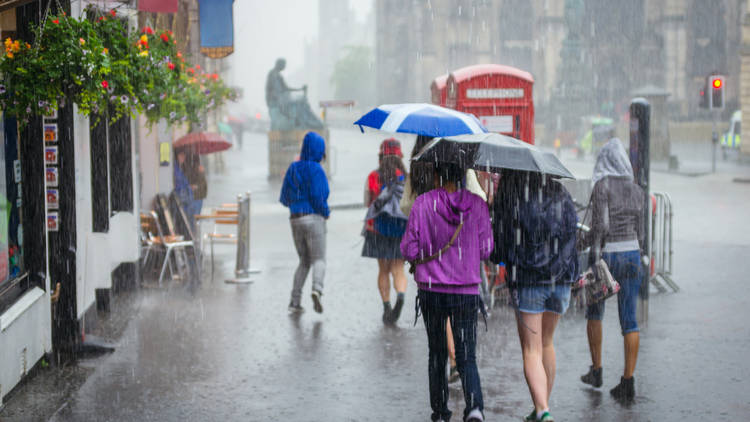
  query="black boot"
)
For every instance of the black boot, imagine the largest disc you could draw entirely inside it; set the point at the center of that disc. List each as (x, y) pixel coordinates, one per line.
(625, 390)
(593, 377)
(387, 311)
(397, 309)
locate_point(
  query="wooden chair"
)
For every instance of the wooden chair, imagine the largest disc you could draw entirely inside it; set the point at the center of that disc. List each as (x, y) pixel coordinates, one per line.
(222, 219)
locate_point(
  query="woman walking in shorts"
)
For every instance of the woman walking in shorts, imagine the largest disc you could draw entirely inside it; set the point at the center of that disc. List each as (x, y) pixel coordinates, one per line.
(616, 236)
(385, 225)
(534, 223)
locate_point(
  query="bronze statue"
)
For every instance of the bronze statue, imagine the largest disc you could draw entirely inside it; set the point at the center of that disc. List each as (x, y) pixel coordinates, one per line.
(287, 112)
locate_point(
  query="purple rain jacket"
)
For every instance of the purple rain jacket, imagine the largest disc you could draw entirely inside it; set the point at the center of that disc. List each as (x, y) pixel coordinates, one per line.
(432, 222)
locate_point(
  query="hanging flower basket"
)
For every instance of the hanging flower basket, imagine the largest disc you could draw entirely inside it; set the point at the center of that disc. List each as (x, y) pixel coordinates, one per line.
(99, 66)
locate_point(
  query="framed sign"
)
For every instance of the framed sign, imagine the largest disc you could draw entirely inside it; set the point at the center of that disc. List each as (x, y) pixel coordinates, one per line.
(17, 170)
(50, 155)
(52, 114)
(53, 199)
(50, 132)
(53, 222)
(500, 124)
(50, 176)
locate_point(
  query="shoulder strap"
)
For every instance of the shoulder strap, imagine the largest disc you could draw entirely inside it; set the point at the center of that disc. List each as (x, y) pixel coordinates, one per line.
(413, 264)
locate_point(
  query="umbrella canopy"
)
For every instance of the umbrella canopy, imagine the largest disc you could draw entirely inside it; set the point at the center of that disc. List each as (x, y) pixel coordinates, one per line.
(203, 142)
(420, 119)
(493, 152)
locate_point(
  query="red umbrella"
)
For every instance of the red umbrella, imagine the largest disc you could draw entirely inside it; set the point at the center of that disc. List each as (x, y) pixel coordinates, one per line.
(203, 142)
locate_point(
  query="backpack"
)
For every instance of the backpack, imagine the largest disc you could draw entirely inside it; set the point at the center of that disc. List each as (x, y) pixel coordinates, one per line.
(540, 237)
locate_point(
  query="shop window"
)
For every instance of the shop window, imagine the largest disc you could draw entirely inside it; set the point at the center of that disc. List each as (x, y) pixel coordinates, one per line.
(99, 176)
(11, 231)
(120, 166)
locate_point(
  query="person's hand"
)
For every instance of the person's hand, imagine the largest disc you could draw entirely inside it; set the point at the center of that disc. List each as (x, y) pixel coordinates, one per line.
(645, 260)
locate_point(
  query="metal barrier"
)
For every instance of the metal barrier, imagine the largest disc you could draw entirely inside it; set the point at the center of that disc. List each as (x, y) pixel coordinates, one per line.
(242, 269)
(661, 236)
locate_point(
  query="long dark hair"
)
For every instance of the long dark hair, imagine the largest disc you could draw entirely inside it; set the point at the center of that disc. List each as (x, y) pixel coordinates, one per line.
(389, 167)
(421, 176)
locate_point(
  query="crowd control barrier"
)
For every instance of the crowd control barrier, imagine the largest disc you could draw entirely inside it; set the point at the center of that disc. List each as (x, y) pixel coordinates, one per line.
(661, 234)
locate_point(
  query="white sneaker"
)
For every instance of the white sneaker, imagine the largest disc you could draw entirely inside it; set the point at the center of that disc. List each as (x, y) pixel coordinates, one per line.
(475, 416)
(316, 301)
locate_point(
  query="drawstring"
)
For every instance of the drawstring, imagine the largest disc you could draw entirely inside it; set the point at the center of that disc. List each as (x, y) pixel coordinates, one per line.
(483, 309)
(416, 310)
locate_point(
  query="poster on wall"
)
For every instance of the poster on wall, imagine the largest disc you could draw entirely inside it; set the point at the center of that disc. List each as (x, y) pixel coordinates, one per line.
(52, 222)
(17, 170)
(50, 155)
(53, 199)
(50, 176)
(50, 132)
(52, 115)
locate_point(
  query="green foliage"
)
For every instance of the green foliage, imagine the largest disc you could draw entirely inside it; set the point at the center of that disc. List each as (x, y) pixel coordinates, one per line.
(97, 65)
(353, 75)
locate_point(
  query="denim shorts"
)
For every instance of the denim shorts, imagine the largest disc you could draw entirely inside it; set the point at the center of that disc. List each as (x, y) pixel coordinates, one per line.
(545, 298)
(626, 269)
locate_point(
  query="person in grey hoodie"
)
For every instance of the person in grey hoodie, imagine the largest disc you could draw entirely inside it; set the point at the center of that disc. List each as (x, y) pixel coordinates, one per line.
(447, 235)
(617, 236)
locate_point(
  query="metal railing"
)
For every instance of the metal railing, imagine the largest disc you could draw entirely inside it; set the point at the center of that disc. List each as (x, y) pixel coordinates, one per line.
(660, 233)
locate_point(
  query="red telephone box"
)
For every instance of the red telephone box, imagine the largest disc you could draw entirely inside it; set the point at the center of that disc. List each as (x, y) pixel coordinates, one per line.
(437, 88)
(499, 96)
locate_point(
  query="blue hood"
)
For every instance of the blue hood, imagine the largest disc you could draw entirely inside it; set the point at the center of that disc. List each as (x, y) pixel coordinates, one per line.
(313, 147)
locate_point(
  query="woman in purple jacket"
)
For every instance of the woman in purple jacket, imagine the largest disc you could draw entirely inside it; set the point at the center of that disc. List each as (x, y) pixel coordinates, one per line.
(447, 235)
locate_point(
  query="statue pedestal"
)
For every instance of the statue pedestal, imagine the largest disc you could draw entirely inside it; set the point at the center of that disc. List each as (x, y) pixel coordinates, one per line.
(284, 147)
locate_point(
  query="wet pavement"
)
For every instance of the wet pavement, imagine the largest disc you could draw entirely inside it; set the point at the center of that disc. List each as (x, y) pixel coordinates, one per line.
(232, 352)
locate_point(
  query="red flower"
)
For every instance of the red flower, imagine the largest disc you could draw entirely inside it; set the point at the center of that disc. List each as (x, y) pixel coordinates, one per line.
(164, 37)
(147, 30)
(113, 12)
(56, 21)
(105, 84)
(215, 77)
(198, 67)
(170, 65)
(190, 70)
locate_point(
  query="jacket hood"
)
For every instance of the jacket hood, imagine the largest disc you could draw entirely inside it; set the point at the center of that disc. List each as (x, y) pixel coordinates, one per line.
(612, 161)
(451, 206)
(313, 147)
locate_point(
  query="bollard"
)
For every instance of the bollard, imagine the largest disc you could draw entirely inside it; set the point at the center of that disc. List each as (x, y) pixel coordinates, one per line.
(640, 133)
(242, 268)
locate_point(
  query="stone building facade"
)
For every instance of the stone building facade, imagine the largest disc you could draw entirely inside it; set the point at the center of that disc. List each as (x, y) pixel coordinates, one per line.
(671, 44)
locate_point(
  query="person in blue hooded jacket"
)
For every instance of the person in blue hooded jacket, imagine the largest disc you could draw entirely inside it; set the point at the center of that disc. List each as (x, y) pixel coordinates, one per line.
(305, 193)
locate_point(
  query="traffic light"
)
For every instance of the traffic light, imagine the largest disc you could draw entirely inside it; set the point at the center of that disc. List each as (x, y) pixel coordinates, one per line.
(716, 88)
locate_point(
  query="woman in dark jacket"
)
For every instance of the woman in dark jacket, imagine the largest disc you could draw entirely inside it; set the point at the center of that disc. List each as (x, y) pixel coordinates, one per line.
(617, 236)
(305, 193)
(534, 223)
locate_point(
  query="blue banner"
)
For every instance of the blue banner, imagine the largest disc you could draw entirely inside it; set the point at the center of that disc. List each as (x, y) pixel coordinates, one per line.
(216, 27)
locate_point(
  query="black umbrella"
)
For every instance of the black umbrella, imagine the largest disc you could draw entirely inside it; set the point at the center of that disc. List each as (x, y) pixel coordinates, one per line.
(492, 152)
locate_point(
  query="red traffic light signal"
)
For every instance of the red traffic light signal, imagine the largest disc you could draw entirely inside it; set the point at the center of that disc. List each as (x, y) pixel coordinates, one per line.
(717, 83)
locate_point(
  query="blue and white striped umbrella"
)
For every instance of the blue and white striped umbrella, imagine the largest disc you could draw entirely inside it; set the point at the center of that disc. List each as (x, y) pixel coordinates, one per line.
(421, 119)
